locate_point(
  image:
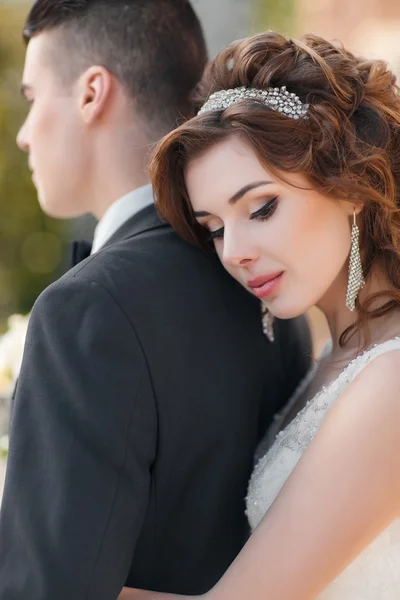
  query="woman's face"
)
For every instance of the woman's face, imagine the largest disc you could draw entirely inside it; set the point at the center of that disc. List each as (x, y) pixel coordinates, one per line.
(286, 244)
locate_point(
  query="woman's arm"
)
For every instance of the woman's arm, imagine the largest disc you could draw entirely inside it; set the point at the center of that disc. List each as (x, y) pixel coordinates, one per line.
(344, 491)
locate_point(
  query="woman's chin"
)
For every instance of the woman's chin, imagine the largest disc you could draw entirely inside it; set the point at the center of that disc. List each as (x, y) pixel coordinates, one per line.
(284, 311)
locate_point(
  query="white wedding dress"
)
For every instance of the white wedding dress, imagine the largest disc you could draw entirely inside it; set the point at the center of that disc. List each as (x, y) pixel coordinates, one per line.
(375, 573)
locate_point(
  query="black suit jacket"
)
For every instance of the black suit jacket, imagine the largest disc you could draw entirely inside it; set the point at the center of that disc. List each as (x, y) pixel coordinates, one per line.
(146, 384)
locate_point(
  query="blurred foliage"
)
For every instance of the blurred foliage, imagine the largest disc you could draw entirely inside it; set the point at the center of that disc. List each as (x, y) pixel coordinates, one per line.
(32, 246)
(278, 15)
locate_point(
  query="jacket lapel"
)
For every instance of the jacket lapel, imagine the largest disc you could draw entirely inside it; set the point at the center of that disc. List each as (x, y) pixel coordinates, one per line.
(145, 220)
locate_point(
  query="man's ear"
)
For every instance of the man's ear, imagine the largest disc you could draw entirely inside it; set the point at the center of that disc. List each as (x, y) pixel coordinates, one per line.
(94, 87)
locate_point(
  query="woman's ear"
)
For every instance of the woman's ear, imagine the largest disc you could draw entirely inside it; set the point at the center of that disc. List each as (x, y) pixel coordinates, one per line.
(351, 208)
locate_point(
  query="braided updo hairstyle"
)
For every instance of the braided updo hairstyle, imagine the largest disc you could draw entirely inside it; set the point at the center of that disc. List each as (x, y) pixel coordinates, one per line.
(348, 147)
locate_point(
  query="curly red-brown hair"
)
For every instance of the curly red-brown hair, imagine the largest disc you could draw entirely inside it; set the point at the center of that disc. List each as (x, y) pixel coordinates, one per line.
(348, 148)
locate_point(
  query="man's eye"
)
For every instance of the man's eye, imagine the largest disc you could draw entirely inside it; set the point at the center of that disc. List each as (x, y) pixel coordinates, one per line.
(266, 211)
(215, 235)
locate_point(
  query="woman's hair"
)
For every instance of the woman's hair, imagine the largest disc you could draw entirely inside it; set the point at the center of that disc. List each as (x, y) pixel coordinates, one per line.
(348, 147)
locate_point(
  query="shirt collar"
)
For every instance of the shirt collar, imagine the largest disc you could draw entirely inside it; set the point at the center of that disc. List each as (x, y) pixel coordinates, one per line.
(119, 212)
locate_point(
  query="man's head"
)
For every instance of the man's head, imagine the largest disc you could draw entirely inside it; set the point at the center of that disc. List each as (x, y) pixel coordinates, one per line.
(106, 79)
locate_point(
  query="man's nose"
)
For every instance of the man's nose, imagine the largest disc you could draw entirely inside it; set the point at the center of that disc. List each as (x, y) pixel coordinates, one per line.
(22, 138)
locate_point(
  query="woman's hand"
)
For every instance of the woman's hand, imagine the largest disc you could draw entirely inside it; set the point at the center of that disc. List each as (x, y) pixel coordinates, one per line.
(128, 594)
(133, 594)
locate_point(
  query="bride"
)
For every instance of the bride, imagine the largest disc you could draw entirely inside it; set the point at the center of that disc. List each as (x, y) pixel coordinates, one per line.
(291, 171)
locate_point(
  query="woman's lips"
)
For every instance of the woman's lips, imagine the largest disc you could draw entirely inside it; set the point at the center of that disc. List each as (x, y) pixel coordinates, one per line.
(265, 285)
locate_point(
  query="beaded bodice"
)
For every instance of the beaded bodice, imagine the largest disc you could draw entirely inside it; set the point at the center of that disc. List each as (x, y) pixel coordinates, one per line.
(376, 573)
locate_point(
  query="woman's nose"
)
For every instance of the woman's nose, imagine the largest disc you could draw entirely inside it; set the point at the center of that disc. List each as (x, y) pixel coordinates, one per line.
(238, 252)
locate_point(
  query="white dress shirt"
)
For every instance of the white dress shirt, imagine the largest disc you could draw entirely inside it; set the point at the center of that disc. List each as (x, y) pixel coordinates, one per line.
(119, 212)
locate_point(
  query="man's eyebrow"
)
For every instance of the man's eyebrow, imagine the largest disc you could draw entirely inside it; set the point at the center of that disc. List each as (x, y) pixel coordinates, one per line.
(247, 188)
(25, 88)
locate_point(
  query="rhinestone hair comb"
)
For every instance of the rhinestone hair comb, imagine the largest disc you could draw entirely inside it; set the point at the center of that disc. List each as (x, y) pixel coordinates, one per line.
(278, 99)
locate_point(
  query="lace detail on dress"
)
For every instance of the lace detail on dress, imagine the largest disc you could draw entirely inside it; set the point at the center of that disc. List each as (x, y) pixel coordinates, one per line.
(279, 418)
(378, 568)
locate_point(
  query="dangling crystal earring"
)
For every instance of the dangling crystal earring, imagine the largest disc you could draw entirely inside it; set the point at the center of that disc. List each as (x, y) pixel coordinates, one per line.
(356, 277)
(267, 323)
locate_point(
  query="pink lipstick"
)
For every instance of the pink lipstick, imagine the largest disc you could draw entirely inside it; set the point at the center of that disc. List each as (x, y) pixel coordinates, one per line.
(265, 285)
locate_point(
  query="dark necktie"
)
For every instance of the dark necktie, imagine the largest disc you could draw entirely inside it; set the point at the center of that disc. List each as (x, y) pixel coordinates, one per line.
(79, 251)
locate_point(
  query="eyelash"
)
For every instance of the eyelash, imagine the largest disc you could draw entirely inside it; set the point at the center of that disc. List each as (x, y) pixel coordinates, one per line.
(263, 214)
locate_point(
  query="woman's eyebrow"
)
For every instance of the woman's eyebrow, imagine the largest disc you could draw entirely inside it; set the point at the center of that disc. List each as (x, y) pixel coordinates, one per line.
(237, 196)
(201, 213)
(247, 188)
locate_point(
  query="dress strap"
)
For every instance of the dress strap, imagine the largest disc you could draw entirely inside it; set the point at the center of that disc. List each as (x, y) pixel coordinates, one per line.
(361, 361)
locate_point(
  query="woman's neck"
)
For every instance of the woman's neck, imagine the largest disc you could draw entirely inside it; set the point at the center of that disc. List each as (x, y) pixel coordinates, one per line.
(339, 317)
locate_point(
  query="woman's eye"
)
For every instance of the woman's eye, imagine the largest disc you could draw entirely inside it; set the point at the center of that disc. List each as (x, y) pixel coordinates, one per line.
(266, 211)
(215, 235)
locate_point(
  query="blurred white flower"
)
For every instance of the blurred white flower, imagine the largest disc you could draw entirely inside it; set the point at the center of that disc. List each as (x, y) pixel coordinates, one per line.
(11, 351)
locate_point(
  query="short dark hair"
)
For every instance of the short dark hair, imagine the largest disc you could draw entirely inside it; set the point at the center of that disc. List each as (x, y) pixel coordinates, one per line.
(155, 48)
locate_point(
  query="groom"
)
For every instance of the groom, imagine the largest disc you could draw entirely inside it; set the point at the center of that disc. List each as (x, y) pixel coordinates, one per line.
(146, 381)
